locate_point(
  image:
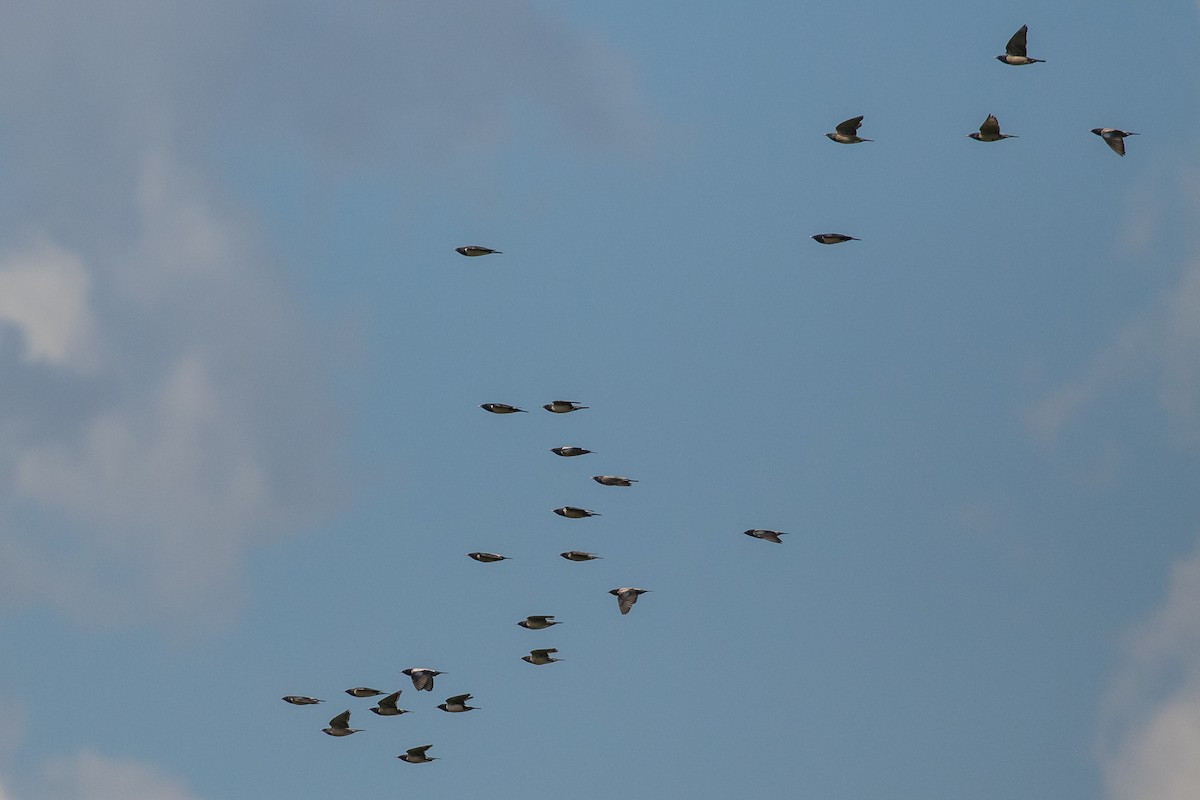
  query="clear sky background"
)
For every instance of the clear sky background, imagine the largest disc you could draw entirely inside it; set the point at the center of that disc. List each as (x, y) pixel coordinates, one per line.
(243, 454)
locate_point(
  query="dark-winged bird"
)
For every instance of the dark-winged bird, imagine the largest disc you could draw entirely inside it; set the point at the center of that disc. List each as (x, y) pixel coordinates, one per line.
(989, 131)
(1014, 51)
(1114, 138)
(847, 132)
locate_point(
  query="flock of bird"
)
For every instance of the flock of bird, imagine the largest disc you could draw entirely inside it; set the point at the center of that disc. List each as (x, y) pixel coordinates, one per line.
(1015, 54)
(422, 678)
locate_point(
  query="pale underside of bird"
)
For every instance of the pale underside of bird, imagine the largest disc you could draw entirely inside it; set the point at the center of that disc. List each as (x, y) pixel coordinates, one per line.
(340, 725)
(363, 691)
(422, 678)
(989, 131)
(770, 536)
(388, 706)
(487, 558)
(847, 132)
(502, 408)
(563, 406)
(1114, 138)
(575, 512)
(579, 555)
(613, 480)
(541, 656)
(301, 700)
(538, 622)
(568, 450)
(457, 704)
(416, 755)
(834, 238)
(476, 250)
(1015, 51)
(626, 597)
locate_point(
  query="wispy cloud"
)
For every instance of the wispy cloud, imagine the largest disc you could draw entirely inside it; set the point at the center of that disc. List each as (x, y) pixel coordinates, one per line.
(164, 407)
(1160, 348)
(1151, 740)
(90, 776)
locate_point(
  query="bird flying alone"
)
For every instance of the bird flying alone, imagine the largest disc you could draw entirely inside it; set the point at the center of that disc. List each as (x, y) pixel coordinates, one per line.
(487, 558)
(567, 451)
(626, 597)
(476, 250)
(574, 512)
(457, 704)
(847, 132)
(538, 622)
(502, 408)
(1114, 138)
(417, 755)
(301, 700)
(770, 536)
(388, 706)
(989, 131)
(363, 691)
(1014, 51)
(422, 678)
(542, 656)
(563, 406)
(579, 555)
(613, 480)
(340, 725)
(834, 238)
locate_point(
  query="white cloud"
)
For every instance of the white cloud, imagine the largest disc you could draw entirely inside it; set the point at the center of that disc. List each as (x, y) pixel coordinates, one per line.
(196, 431)
(1164, 342)
(1150, 749)
(89, 776)
(44, 296)
(164, 406)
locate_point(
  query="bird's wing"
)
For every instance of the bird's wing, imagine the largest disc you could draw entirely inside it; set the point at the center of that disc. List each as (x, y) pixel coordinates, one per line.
(1016, 45)
(1117, 143)
(542, 618)
(849, 127)
(419, 752)
(458, 699)
(342, 720)
(990, 126)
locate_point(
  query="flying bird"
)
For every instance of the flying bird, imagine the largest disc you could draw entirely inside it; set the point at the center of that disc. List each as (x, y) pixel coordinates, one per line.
(487, 558)
(564, 406)
(422, 678)
(579, 555)
(989, 131)
(574, 512)
(626, 597)
(340, 725)
(537, 623)
(362, 691)
(457, 704)
(847, 132)
(475, 250)
(1014, 51)
(770, 536)
(569, 450)
(301, 700)
(388, 706)
(1114, 138)
(502, 408)
(834, 238)
(613, 480)
(417, 755)
(541, 656)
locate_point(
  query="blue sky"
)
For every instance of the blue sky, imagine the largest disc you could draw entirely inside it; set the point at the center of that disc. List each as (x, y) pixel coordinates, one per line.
(243, 366)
